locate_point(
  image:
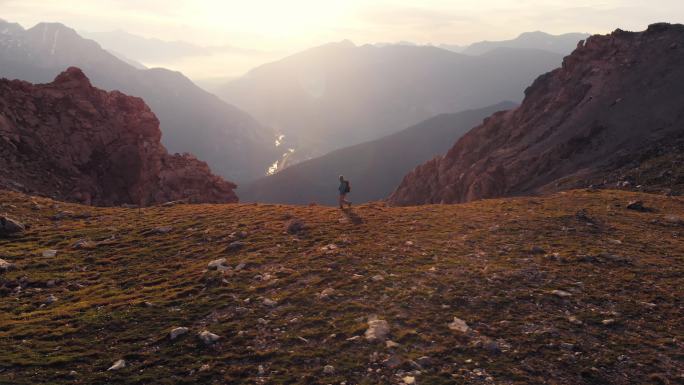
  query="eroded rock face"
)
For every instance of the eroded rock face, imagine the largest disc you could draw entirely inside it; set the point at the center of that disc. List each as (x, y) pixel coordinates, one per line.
(71, 141)
(614, 106)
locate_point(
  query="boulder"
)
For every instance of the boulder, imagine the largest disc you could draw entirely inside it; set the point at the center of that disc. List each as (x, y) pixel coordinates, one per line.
(377, 330)
(9, 226)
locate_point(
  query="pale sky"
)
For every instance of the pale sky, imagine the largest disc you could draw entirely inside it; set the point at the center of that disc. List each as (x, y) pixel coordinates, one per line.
(286, 26)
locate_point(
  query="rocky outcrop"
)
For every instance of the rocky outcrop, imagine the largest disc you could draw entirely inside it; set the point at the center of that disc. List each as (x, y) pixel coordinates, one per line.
(616, 107)
(71, 141)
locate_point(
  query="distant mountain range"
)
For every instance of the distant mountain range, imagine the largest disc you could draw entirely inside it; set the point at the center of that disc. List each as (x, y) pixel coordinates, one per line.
(612, 116)
(231, 141)
(340, 94)
(374, 168)
(562, 44)
(144, 49)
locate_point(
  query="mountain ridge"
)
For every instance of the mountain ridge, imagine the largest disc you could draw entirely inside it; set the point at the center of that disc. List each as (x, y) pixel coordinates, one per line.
(71, 141)
(615, 96)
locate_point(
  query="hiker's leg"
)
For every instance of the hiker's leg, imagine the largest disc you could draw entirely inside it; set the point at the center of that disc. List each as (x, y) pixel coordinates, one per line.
(341, 200)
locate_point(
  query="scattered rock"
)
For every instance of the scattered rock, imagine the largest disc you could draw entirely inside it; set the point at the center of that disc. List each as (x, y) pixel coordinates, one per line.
(561, 293)
(218, 264)
(234, 246)
(177, 332)
(459, 325)
(163, 230)
(269, 302)
(84, 244)
(51, 299)
(6, 266)
(424, 361)
(608, 322)
(409, 380)
(295, 226)
(329, 249)
(261, 370)
(377, 330)
(674, 220)
(537, 250)
(49, 253)
(329, 369)
(378, 278)
(204, 368)
(9, 226)
(392, 362)
(326, 293)
(637, 206)
(391, 344)
(120, 364)
(574, 320)
(208, 337)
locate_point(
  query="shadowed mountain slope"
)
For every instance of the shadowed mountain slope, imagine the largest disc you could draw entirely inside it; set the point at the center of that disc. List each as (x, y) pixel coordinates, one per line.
(339, 94)
(613, 114)
(192, 120)
(374, 168)
(71, 141)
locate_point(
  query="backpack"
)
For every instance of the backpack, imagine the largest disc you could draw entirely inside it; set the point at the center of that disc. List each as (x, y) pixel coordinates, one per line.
(347, 186)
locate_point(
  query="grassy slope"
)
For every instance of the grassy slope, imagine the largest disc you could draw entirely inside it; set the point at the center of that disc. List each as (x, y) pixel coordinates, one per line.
(472, 261)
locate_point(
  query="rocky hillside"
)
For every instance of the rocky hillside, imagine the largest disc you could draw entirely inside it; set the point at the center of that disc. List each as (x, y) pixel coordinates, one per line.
(374, 168)
(74, 142)
(231, 141)
(573, 288)
(612, 115)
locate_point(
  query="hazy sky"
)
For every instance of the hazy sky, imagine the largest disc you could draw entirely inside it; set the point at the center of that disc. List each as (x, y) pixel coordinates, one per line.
(285, 26)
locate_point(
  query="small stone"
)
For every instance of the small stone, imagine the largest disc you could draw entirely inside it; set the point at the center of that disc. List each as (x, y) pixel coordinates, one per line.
(561, 293)
(459, 325)
(329, 369)
(573, 320)
(269, 302)
(392, 362)
(377, 330)
(378, 278)
(217, 264)
(49, 253)
(6, 266)
(234, 246)
(261, 370)
(636, 205)
(208, 337)
(608, 322)
(537, 250)
(84, 244)
(391, 344)
(408, 243)
(326, 293)
(51, 299)
(9, 226)
(177, 332)
(567, 346)
(409, 380)
(240, 266)
(120, 364)
(204, 368)
(424, 361)
(295, 226)
(163, 230)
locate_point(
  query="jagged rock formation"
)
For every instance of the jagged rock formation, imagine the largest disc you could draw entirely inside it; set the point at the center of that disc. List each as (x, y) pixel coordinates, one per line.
(235, 145)
(71, 141)
(613, 114)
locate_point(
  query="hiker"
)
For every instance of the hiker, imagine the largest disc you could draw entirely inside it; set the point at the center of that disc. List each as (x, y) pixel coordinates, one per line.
(344, 189)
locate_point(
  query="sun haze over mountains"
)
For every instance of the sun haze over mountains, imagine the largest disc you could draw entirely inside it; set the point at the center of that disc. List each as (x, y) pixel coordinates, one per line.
(350, 192)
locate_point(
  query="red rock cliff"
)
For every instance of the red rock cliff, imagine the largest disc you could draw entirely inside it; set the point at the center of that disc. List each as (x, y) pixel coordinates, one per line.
(71, 141)
(614, 110)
